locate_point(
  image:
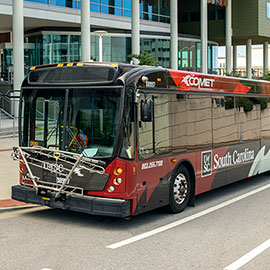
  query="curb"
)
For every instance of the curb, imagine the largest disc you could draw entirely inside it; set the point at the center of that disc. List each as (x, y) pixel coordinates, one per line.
(18, 207)
(11, 204)
(6, 150)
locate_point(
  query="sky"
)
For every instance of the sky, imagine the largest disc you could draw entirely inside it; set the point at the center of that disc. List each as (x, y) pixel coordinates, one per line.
(241, 50)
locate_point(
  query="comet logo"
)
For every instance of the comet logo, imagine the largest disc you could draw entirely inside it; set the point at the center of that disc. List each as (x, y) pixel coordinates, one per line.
(201, 83)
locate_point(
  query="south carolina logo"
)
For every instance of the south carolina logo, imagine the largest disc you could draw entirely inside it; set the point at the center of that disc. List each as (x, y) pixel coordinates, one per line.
(206, 163)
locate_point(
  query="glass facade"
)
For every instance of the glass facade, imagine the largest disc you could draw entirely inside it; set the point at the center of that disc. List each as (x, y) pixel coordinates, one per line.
(48, 48)
(152, 10)
(53, 48)
(7, 62)
(159, 48)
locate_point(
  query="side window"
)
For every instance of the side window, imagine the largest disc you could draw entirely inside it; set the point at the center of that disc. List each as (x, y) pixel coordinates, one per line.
(145, 135)
(154, 137)
(225, 121)
(162, 123)
(178, 123)
(128, 149)
(265, 118)
(249, 118)
(199, 121)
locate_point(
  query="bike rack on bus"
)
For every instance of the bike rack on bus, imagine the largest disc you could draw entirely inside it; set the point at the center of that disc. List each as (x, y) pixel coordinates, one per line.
(37, 157)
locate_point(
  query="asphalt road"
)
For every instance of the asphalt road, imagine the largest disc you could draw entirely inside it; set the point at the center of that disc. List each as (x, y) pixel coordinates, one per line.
(212, 235)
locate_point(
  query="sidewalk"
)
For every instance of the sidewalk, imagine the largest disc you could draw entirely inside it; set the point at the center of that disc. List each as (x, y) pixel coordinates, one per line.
(9, 172)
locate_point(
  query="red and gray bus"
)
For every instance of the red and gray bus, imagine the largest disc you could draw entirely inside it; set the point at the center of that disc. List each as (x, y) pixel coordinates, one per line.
(119, 140)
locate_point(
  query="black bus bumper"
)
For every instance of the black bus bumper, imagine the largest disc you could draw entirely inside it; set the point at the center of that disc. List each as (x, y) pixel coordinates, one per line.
(85, 204)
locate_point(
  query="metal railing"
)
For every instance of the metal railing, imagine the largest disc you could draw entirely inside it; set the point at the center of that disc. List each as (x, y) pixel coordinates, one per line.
(7, 101)
(255, 72)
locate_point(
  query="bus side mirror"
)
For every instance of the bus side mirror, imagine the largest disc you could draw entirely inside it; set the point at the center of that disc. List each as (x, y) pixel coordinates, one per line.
(147, 110)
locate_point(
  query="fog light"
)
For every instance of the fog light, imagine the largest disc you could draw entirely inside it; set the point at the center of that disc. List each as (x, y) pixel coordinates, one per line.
(118, 171)
(111, 188)
(117, 181)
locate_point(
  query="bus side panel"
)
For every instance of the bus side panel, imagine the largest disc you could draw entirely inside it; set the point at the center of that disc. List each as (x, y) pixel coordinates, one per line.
(154, 178)
(206, 173)
(226, 165)
(243, 157)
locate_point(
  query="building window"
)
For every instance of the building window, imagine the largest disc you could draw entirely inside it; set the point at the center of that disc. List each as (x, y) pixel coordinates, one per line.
(268, 9)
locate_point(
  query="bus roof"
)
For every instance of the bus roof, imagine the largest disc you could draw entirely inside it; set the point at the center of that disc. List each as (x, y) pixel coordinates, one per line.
(191, 81)
(97, 73)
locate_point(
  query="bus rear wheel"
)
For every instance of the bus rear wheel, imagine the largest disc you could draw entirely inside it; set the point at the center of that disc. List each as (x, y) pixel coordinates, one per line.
(179, 190)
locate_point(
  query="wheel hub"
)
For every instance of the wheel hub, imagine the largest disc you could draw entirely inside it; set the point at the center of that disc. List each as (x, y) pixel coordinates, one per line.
(180, 189)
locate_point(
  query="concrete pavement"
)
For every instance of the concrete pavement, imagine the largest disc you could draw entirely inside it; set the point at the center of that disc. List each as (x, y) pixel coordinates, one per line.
(9, 172)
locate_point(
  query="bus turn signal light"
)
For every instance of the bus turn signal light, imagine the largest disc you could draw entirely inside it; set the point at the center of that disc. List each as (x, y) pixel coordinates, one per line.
(118, 171)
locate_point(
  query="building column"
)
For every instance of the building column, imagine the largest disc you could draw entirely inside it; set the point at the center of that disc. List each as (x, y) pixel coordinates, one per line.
(85, 30)
(234, 60)
(248, 58)
(18, 49)
(174, 34)
(265, 57)
(229, 36)
(204, 36)
(135, 27)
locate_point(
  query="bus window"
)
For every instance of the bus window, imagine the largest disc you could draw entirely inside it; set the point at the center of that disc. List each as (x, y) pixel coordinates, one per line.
(225, 121)
(265, 119)
(249, 118)
(154, 137)
(127, 150)
(145, 136)
(178, 123)
(199, 121)
(91, 120)
(40, 119)
(162, 123)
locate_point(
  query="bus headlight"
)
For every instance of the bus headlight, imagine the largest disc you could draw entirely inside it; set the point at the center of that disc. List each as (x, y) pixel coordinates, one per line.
(117, 181)
(111, 188)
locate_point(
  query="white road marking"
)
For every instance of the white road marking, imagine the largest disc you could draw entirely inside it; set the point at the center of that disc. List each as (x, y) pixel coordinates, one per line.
(185, 220)
(249, 256)
(46, 269)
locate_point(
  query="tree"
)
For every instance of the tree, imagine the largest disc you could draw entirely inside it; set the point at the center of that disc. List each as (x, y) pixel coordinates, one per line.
(144, 58)
(266, 76)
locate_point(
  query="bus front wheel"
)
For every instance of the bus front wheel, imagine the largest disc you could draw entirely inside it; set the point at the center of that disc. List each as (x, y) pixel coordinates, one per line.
(179, 190)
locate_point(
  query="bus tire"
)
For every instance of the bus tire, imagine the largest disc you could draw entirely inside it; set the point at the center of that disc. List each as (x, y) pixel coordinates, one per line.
(180, 190)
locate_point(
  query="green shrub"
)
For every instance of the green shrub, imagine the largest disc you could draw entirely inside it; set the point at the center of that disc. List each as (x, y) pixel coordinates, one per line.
(144, 58)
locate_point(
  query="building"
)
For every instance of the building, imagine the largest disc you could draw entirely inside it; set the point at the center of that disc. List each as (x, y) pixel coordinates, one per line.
(257, 63)
(179, 34)
(52, 33)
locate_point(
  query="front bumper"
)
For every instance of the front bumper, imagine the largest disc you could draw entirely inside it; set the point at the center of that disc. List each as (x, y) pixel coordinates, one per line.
(85, 204)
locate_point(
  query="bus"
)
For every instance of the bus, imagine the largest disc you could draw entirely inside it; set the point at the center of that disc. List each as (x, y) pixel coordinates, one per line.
(119, 140)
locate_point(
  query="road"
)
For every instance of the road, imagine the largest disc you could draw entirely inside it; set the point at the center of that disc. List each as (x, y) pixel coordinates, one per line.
(212, 235)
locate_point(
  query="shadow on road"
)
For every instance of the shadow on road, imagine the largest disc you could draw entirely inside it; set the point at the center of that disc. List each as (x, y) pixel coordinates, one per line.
(161, 216)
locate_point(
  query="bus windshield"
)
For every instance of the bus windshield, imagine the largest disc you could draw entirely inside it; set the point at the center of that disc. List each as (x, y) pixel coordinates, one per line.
(76, 120)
